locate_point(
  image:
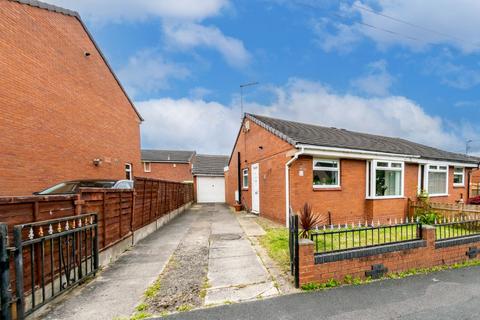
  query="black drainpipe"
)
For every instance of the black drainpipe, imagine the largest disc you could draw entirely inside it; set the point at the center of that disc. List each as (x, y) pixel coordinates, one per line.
(239, 179)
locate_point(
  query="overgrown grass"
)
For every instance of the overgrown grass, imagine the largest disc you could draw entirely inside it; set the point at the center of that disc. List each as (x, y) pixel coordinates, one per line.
(275, 241)
(153, 289)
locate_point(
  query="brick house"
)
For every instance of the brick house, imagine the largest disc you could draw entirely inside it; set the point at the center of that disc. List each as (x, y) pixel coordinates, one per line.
(276, 164)
(63, 113)
(209, 178)
(172, 165)
(475, 183)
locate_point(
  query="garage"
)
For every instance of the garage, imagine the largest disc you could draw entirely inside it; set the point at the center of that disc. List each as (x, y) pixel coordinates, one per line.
(208, 174)
(210, 189)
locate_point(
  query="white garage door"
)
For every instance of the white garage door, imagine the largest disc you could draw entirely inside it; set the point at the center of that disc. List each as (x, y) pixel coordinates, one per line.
(210, 189)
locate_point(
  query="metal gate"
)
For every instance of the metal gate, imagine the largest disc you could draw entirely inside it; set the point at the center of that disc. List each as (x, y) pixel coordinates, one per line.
(50, 257)
(293, 246)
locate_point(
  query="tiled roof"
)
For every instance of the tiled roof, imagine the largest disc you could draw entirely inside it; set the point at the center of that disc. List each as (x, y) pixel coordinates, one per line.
(309, 134)
(177, 156)
(210, 165)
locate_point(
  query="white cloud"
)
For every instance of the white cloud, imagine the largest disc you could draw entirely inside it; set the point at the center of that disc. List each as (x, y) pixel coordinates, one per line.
(188, 124)
(377, 81)
(148, 72)
(129, 10)
(180, 22)
(453, 74)
(335, 36)
(423, 23)
(212, 127)
(190, 35)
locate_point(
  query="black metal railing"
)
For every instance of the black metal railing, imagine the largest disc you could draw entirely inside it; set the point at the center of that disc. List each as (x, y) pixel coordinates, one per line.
(51, 257)
(5, 293)
(294, 248)
(341, 238)
(457, 229)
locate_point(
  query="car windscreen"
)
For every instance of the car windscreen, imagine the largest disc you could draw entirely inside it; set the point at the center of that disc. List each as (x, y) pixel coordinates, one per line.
(61, 188)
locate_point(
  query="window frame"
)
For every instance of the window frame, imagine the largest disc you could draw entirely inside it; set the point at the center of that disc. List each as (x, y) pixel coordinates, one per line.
(437, 168)
(462, 184)
(128, 171)
(245, 175)
(337, 169)
(371, 178)
(147, 164)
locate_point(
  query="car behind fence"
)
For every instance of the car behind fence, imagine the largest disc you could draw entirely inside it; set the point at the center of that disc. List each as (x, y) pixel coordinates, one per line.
(49, 244)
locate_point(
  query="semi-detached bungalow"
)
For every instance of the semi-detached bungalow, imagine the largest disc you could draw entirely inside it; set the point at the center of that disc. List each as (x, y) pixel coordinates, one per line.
(350, 176)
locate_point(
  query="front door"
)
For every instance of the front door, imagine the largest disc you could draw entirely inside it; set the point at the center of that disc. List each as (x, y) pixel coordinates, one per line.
(255, 188)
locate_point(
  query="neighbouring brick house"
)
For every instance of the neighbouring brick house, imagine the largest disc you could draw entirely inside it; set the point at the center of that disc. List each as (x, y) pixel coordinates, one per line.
(276, 164)
(63, 113)
(172, 165)
(209, 178)
(475, 182)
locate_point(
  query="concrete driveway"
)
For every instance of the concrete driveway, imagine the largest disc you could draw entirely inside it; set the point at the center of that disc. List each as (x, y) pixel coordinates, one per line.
(235, 272)
(205, 235)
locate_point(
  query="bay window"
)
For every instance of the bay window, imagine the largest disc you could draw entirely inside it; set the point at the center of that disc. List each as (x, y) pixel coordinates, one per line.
(326, 173)
(384, 179)
(458, 176)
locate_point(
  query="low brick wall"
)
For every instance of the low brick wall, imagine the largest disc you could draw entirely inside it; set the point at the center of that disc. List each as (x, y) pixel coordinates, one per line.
(425, 253)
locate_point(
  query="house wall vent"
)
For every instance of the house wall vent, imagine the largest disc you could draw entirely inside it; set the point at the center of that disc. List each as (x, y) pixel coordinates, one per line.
(247, 126)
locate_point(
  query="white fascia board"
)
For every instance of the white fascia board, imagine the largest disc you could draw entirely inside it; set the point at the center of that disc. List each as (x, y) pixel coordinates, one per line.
(372, 155)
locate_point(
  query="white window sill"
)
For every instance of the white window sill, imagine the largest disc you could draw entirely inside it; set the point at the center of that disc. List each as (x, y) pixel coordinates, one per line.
(326, 187)
(457, 185)
(385, 198)
(438, 195)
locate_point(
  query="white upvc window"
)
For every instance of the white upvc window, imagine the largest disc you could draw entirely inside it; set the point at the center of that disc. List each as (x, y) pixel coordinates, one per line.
(459, 176)
(436, 179)
(147, 166)
(128, 171)
(326, 173)
(385, 179)
(245, 178)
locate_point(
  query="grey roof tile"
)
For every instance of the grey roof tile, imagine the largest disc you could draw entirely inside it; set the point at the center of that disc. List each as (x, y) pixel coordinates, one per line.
(211, 165)
(302, 133)
(177, 156)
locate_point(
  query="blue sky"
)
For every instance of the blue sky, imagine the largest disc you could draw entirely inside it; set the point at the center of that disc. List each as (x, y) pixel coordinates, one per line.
(393, 67)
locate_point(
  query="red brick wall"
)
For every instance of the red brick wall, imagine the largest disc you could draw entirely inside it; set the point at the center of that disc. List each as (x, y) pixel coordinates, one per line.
(59, 108)
(475, 178)
(271, 159)
(179, 172)
(396, 261)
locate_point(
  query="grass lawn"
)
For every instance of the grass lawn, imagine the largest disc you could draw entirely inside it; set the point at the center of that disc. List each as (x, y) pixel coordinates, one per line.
(275, 241)
(449, 231)
(335, 240)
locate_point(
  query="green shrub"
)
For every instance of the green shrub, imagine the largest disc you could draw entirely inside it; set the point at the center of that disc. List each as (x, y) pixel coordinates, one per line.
(425, 214)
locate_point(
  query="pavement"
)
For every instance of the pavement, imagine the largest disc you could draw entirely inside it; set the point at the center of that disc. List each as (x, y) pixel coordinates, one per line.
(116, 291)
(444, 295)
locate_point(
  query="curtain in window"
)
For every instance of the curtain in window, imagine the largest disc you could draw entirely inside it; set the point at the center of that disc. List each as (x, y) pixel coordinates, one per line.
(437, 182)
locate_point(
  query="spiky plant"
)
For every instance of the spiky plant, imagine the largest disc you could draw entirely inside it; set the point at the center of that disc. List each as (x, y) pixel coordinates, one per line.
(308, 220)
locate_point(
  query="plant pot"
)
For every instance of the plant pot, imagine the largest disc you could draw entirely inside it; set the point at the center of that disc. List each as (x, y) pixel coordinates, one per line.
(237, 207)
